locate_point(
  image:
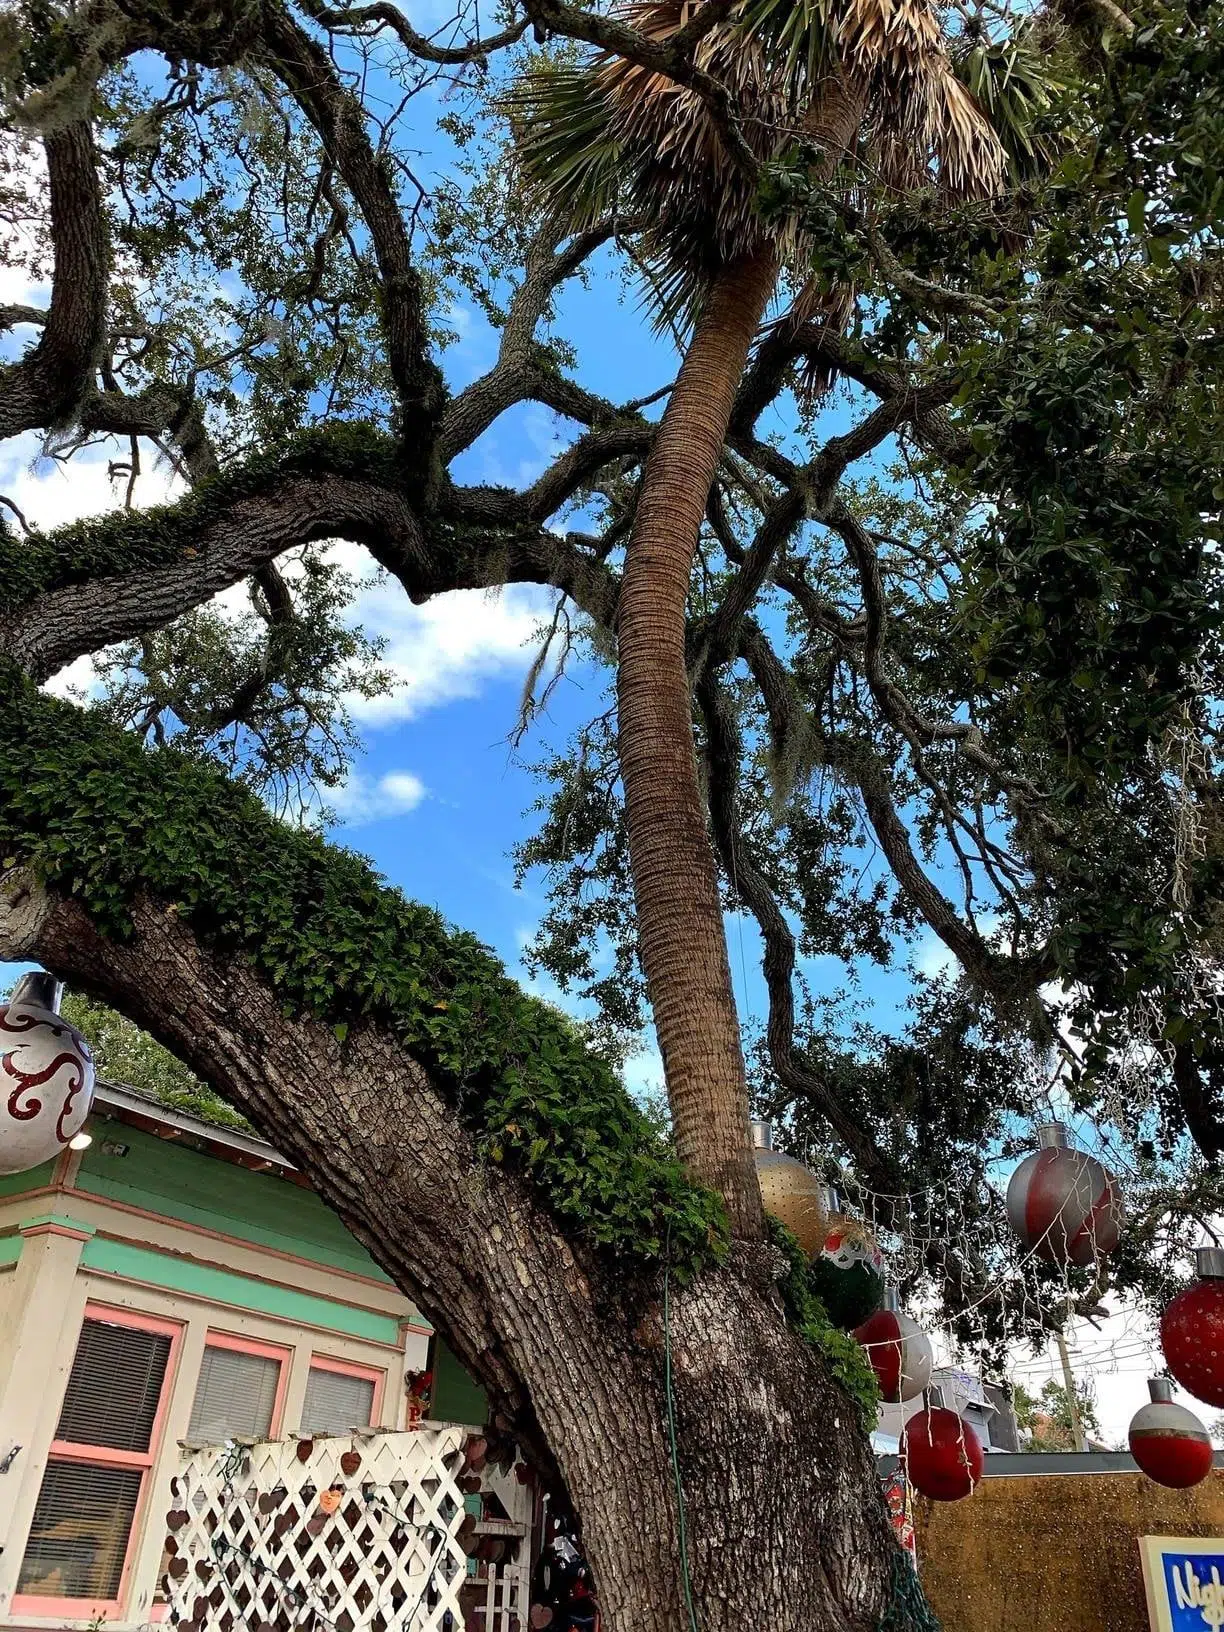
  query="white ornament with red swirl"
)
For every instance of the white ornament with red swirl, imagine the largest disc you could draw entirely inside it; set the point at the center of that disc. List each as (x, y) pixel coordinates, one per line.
(46, 1076)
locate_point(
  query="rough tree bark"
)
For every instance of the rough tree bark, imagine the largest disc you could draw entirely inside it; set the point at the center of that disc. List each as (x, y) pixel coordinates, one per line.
(785, 1526)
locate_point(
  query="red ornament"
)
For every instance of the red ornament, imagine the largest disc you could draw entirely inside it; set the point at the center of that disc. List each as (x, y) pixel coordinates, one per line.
(942, 1454)
(1192, 1330)
(899, 1351)
(1062, 1203)
(1169, 1443)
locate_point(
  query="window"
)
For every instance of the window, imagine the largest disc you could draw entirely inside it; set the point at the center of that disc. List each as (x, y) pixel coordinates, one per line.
(340, 1397)
(104, 1447)
(239, 1391)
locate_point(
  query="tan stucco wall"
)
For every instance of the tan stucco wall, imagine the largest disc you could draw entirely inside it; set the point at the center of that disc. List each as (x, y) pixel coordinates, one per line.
(1053, 1553)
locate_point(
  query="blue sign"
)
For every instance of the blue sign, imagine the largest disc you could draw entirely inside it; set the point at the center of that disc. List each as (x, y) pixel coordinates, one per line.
(1184, 1577)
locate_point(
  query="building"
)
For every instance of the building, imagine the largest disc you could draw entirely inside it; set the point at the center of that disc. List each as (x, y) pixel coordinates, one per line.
(176, 1285)
(984, 1405)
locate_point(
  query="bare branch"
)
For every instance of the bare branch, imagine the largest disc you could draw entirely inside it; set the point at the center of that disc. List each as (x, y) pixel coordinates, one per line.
(372, 19)
(516, 376)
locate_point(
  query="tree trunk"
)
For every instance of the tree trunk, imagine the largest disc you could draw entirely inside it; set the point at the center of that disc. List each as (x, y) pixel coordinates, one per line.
(785, 1527)
(681, 940)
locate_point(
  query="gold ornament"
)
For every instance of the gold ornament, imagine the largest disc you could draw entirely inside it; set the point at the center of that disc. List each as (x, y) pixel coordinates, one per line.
(789, 1191)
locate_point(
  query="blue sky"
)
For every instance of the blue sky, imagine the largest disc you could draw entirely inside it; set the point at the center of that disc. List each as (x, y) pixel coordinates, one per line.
(438, 797)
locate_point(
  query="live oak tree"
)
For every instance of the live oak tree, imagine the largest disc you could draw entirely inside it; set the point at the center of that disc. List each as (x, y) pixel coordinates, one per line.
(998, 662)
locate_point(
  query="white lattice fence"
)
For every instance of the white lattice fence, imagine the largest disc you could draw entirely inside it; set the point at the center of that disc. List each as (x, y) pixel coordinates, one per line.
(361, 1534)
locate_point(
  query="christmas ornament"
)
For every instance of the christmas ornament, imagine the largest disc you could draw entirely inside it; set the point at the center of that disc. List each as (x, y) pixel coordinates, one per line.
(46, 1076)
(848, 1273)
(1062, 1203)
(419, 1387)
(942, 1454)
(788, 1190)
(898, 1349)
(1192, 1330)
(1169, 1443)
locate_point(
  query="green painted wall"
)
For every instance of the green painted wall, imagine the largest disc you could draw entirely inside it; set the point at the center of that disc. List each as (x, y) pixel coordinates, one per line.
(456, 1398)
(178, 1274)
(187, 1185)
(16, 1184)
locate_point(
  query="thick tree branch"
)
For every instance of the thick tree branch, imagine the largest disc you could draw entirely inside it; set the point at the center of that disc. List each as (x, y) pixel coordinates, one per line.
(45, 388)
(820, 342)
(379, 1141)
(723, 756)
(518, 375)
(500, 506)
(159, 411)
(720, 635)
(12, 317)
(184, 556)
(98, 582)
(310, 76)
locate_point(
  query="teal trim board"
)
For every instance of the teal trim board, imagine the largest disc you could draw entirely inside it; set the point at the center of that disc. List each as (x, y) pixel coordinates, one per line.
(60, 1220)
(176, 1182)
(10, 1248)
(174, 1273)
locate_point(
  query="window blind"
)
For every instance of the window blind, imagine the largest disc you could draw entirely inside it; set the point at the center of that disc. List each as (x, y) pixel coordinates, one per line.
(114, 1387)
(336, 1402)
(235, 1396)
(79, 1536)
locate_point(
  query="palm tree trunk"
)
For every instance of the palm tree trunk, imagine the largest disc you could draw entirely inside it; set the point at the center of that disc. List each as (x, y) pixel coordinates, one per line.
(681, 941)
(680, 929)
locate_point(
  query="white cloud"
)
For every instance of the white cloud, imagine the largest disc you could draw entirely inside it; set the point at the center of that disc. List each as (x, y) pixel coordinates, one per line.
(50, 494)
(933, 958)
(79, 678)
(364, 799)
(446, 649)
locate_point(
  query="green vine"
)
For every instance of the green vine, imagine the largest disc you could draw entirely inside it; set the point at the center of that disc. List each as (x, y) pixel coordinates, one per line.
(847, 1360)
(101, 819)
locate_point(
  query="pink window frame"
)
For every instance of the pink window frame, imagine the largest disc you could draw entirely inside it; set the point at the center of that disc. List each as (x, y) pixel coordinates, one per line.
(350, 1368)
(265, 1351)
(64, 1450)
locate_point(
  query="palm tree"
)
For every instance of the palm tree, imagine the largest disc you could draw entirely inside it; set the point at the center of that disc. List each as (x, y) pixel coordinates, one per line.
(612, 134)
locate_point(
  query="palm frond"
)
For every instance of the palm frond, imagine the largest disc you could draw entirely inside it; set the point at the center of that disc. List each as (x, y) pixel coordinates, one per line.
(567, 142)
(798, 37)
(1015, 85)
(927, 126)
